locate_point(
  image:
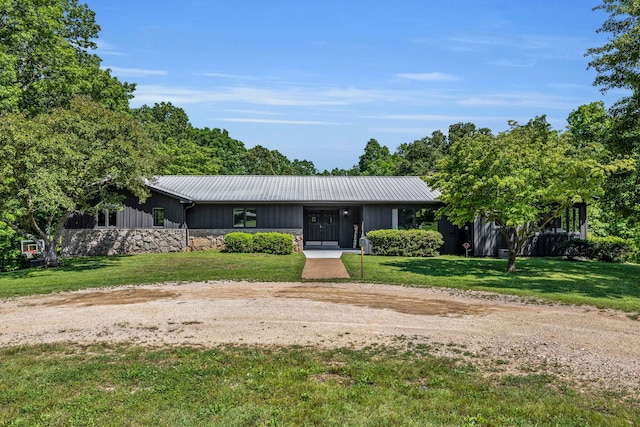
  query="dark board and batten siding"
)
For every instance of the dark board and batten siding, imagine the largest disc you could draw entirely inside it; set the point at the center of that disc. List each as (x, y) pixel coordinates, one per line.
(212, 216)
(135, 215)
(377, 217)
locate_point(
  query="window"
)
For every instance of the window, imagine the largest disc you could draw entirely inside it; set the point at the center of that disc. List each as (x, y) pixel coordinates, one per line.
(414, 218)
(158, 217)
(107, 218)
(569, 222)
(244, 217)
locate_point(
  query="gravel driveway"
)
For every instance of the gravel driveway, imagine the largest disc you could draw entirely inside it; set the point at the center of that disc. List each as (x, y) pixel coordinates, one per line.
(594, 348)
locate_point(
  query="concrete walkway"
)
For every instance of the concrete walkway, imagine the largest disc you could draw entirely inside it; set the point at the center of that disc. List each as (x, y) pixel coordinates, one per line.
(325, 264)
(328, 253)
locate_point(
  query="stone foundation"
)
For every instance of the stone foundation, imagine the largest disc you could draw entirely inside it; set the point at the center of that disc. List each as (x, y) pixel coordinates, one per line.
(100, 242)
(213, 239)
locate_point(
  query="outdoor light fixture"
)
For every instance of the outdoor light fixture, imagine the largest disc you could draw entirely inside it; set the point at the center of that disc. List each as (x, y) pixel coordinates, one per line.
(346, 212)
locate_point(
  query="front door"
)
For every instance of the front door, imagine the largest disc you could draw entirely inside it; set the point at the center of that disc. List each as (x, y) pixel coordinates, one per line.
(321, 228)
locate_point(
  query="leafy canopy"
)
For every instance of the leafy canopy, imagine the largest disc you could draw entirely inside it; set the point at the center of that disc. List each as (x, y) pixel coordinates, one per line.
(69, 160)
(520, 179)
(45, 59)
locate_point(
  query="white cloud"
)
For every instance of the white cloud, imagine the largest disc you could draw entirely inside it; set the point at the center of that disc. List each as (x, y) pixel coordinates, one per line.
(228, 76)
(136, 72)
(513, 64)
(422, 117)
(105, 48)
(276, 121)
(428, 77)
(288, 96)
(522, 99)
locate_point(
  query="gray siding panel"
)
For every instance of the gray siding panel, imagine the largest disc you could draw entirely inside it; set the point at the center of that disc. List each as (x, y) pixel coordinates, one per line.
(268, 216)
(279, 216)
(487, 239)
(210, 216)
(140, 215)
(377, 217)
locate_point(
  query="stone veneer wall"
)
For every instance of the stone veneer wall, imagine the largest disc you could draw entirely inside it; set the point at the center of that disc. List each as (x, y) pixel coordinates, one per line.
(208, 239)
(100, 242)
(110, 241)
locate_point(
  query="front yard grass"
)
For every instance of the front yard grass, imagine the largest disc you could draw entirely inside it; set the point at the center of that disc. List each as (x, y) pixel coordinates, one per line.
(125, 384)
(603, 285)
(91, 272)
(377, 386)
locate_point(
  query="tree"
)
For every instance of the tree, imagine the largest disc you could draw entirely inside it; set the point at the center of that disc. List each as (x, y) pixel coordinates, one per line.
(618, 67)
(303, 168)
(376, 160)
(79, 159)
(617, 62)
(230, 151)
(521, 180)
(45, 59)
(419, 158)
(169, 126)
(259, 160)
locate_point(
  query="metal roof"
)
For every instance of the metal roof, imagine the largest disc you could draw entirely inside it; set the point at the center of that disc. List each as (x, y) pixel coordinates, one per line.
(290, 189)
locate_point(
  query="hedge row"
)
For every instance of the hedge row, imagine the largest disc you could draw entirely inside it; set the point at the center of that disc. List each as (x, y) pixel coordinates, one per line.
(609, 249)
(411, 243)
(263, 242)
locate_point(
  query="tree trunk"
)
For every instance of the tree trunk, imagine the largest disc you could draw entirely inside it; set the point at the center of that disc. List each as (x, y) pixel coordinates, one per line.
(511, 265)
(50, 255)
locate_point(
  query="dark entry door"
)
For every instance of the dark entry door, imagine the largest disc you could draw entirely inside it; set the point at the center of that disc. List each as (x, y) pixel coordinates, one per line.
(321, 228)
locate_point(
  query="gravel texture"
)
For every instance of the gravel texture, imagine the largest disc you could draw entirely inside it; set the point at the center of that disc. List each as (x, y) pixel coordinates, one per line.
(500, 334)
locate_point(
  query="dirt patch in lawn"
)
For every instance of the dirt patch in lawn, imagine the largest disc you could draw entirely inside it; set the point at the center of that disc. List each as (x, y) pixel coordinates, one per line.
(115, 297)
(324, 268)
(502, 334)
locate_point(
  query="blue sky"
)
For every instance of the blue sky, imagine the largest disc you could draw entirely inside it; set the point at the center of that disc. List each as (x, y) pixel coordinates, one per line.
(317, 79)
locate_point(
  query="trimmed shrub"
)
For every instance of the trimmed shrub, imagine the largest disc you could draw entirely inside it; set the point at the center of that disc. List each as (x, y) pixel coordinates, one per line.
(273, 243)
(608, 249)
(611, 249)
(411, 243)
(239, 242)
(577, 249)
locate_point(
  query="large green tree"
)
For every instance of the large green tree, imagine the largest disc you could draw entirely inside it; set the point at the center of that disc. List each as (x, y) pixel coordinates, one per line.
(230, 151)
(45, 57)
(169, 126)
(260, 160)
(521, 180)
(377, 160)
(76, 159)
(420, 157)
(617, 64)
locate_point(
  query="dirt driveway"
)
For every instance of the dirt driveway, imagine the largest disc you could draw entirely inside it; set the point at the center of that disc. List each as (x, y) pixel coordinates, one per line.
(594, 348)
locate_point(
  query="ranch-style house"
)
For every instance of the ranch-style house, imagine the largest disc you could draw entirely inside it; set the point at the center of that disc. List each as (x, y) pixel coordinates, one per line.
(186, 213)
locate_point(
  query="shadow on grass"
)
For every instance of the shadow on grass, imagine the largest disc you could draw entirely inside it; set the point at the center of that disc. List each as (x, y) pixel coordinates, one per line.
(70, 265)
(540, 275)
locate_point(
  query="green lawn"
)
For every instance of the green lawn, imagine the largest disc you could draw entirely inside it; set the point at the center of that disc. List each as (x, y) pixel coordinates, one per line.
(68, 384)
(89, 272)
(603, 285)
(245, 386)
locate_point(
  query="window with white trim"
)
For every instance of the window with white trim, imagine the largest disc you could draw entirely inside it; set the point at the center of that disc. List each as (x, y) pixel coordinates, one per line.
(106, 218)
(415, 218)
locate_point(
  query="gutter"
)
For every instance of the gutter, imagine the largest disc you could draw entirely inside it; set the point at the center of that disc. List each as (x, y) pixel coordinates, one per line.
(184, 221)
